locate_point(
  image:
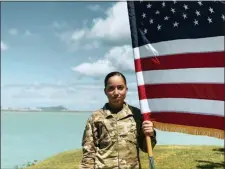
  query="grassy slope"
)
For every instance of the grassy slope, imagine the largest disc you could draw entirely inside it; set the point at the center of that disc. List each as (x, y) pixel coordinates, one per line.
(166, 157)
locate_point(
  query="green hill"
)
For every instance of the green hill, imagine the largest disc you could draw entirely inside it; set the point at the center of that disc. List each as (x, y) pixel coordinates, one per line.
(166, 157)
(53, 108)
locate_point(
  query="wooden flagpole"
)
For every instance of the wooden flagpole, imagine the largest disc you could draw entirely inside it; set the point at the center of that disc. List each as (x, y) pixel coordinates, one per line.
(150, 152)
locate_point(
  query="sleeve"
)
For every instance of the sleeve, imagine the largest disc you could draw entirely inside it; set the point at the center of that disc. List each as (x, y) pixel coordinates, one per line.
(89, 149)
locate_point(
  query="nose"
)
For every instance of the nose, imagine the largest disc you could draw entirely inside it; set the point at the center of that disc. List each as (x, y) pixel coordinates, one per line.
(116, 91)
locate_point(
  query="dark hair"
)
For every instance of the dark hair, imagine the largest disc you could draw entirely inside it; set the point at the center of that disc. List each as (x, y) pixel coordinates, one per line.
(113, 74)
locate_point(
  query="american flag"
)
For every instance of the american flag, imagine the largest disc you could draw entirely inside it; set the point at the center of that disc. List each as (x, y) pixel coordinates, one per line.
(179, 62)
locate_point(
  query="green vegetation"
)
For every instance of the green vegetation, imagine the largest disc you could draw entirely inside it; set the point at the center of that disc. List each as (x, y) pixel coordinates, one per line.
(53, 109)
(166, 157)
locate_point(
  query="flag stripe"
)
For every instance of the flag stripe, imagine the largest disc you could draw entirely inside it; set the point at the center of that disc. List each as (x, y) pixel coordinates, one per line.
(196, 91)
(197, 120)
(179, 105)
(180, 46)
(194, 60)
(193, 75)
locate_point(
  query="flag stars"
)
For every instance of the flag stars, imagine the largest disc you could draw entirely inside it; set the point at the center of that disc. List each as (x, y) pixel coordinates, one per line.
(151, 21)
(163, 4)
(211, 10)
(166, 18)
(149, 5)
(143, 15)
(209, 19)
(195, 22)
(200, 3)
(145, 31)
(185, 7)
(223, 17)
(175, 24)
(173, 10)
(197, 13)
(157, 12)
(159, 27)
(184, 15)
(174, 1)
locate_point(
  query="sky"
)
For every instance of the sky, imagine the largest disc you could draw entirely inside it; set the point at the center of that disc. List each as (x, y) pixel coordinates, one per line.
(58, 53)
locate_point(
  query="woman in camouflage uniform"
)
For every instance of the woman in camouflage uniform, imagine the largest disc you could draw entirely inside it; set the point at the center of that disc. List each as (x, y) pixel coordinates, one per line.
(114, 134)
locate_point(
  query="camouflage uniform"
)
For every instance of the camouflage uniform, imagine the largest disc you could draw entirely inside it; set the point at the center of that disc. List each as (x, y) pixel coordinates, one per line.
(112, 141)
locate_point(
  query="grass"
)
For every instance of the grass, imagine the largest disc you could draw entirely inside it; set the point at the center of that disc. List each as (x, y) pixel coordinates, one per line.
(166, 157)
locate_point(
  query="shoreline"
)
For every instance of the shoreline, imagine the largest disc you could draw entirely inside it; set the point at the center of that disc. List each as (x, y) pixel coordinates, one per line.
(37, 111)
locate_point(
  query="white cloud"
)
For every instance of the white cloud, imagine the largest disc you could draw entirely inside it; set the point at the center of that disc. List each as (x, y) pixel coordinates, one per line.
(27, 33)
(117, 58)
(13, 31)
(59, 25)
(92, 45)
(70, 95)
(111, 30)
(3, 46)
(115, 27)
(77, 35)
(79, 96)
(96, 68)
(94, 7)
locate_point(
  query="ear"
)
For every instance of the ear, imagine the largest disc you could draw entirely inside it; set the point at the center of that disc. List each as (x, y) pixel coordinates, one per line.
(105, 91)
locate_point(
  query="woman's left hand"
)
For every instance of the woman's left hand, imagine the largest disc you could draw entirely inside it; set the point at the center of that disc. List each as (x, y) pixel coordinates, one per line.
(147, 127)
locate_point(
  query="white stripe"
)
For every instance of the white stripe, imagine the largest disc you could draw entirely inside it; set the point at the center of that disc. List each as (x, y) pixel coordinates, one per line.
(195, 75)
(180, 46)
(179, 105)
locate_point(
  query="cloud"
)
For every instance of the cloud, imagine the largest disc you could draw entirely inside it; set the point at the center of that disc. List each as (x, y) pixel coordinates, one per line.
(111, 30)
(77, 96)
(59, 25)
(77, 35)
(115, 27)
(3, 46)
(94, 7)
(27, 33)
(13, 31)
(97, 68)
(34, 95)
(117, 58)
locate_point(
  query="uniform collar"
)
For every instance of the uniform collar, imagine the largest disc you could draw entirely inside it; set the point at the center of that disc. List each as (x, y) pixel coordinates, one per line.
(121, 114)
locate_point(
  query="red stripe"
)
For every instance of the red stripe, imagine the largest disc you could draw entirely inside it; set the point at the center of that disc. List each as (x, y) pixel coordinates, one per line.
(195, 120)
(192, 90)
(190, 60)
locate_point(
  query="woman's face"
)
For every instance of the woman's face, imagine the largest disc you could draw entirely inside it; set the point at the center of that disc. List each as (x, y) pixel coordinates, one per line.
(116, 91)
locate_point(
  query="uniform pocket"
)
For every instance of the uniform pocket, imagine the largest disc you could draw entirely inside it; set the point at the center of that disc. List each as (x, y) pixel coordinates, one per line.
(104, 134)
(131, 137)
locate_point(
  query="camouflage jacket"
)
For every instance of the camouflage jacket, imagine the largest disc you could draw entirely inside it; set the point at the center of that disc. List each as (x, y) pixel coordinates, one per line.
(112, 141)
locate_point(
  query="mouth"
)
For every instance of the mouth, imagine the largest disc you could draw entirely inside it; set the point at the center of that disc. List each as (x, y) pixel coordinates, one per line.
(118, 98)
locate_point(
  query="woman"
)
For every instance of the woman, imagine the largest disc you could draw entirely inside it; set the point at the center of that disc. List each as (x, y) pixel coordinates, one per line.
(114, 134)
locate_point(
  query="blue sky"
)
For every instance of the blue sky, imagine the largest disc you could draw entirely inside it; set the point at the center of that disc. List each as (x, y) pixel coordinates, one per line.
(58, 53)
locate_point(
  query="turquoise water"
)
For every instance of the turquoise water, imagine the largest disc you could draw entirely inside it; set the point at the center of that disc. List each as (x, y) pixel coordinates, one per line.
(29, 136)
(35, 136)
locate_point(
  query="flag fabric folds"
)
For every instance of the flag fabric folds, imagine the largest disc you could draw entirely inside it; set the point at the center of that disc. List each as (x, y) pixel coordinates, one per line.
(179, 63)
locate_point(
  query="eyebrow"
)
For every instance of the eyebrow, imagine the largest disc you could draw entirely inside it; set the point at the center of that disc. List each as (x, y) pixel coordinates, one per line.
(115, 85)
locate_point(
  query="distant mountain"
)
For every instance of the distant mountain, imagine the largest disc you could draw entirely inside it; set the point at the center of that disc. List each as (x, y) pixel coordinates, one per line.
(53, 108)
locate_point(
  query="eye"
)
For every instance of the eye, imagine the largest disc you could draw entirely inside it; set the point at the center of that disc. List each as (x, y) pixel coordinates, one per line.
(110, 88)
(120, 87)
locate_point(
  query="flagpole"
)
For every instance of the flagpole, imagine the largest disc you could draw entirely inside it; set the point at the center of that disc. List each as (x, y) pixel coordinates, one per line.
(134, 37)
(150, 152)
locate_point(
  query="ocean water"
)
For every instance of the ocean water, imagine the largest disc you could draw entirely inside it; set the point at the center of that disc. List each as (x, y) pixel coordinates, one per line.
(28, 136)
